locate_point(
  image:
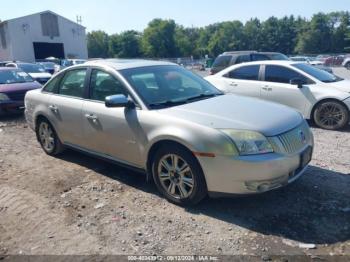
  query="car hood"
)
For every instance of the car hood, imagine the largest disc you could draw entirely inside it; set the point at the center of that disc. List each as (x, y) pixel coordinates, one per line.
(9, 88)
(343, 85)
(236, 112)
(40, 75)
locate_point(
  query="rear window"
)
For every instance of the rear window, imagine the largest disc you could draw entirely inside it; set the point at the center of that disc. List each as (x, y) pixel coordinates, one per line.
(222, 61)
(245, 73)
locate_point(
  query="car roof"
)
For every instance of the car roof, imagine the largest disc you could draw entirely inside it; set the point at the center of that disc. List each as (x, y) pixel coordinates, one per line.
(120, 64)
(270, 62)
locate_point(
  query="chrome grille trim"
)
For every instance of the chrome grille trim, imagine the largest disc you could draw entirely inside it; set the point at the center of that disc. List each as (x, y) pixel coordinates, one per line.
(291, 142)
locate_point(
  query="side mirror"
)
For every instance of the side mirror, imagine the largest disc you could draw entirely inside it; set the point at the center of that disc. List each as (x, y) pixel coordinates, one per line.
(298, 82)
(119, 101)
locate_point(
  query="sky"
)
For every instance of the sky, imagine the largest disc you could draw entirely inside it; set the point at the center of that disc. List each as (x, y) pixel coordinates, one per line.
(115, 16)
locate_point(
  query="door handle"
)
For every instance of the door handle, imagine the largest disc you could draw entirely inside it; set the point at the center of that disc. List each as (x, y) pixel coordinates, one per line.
(267, 88)
(233, 84)
(53, 108)
(91, 117)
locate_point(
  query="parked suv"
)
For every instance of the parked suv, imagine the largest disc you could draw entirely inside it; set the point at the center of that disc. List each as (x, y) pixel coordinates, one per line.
(231, 58)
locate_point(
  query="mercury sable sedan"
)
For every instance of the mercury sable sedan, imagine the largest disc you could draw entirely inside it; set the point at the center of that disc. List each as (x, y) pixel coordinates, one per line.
(162, 119)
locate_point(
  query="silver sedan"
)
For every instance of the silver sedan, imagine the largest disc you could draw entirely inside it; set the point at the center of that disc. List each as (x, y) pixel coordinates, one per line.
(187, 137)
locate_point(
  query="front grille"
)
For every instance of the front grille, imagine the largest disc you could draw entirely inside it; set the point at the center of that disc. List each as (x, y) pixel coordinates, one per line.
(17, 96)
(294, 140)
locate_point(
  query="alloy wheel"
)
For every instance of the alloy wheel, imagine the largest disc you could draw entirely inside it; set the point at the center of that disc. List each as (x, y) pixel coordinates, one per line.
(46, 136)
(176, 176)
(331, 115)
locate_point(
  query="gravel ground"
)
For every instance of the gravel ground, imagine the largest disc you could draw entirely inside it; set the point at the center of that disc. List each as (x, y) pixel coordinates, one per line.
(76, 204)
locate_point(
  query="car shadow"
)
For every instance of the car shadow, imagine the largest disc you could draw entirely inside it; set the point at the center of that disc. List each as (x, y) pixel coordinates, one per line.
(344, 130)
(314, 209)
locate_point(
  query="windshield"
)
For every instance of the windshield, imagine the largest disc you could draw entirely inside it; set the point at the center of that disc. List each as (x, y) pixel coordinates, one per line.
(165, 86)
(318, 73)
(32, 68)
(14, 77)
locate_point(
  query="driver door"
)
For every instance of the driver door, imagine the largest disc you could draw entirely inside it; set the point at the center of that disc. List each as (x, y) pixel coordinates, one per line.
(109, 132)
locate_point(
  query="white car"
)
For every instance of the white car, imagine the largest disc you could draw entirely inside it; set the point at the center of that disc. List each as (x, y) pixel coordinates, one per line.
(346, 63)
(318, 95)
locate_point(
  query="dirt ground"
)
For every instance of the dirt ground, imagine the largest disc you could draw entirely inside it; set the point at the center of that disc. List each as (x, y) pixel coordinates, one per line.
(79, 205)
(76, 204)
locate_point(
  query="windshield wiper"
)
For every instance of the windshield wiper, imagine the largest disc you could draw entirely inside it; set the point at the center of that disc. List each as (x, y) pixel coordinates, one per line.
(202, 96)
(168, 103)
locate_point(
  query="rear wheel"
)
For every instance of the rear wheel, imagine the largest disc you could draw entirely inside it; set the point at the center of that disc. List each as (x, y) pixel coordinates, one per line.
(347, 65)
(48, 138)
(178, 176)
(331, 115)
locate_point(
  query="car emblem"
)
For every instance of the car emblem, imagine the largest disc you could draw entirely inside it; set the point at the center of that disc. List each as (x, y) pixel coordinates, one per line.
(302, 137)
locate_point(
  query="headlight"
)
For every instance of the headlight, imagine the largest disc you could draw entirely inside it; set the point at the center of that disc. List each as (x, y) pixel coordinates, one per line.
(4, 97)
(249, 142)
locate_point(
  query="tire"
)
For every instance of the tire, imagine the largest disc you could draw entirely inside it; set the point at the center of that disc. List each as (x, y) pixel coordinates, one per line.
(48, 138)
(347, 65)
(186, 187)
(331, 115)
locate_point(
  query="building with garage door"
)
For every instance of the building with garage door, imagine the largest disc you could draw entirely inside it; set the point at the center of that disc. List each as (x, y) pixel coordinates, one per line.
(41, 35)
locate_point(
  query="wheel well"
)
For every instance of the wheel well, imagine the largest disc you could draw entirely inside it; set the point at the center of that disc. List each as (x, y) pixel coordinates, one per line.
(322, 101)
(155, 147)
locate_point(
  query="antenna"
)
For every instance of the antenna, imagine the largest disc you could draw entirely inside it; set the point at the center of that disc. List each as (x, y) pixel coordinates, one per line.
(79, 19)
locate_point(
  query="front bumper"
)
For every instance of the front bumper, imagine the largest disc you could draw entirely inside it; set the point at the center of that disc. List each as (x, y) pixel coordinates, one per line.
(252, 174)
(11, 107)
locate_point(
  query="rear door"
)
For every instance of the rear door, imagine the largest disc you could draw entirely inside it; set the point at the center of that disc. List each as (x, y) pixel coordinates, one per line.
(109, 131)
(243, 81)
(276, 87)
(65, 106)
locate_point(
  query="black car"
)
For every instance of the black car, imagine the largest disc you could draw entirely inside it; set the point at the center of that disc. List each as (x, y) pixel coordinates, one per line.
(231, 58)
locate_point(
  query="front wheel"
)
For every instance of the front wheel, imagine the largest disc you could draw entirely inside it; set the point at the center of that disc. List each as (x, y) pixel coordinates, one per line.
(178, 176)
(48, 138)
(331, 115)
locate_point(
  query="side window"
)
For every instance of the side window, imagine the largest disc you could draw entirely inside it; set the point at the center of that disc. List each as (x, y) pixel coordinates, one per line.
(72, 83)
(259, 57)
(245, 73)
(222, 61)
(242, 59)
(103, 84)
(280, 74)
(51, 86)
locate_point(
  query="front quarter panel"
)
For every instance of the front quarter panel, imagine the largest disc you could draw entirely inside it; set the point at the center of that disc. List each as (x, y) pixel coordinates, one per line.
(157, 127)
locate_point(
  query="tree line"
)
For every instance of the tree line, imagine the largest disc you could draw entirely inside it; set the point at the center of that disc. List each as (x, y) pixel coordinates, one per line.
(323, 33)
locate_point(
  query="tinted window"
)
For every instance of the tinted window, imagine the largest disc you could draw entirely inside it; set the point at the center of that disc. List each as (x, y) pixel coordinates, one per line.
(318, 73)
(280, 74)
(242, 59)
(259, 57)
(103, 84)
(277, 56)
(72, 83)
(222, 61)
(52, 85)
(245, 72)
